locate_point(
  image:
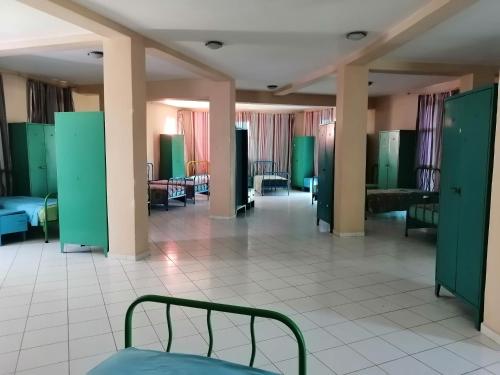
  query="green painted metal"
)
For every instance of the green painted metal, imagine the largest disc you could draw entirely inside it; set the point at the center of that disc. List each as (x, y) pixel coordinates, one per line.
(33, 159)
(396, 159)
(326, 174)
(252, 335)
(302, 159)
(171, 156)
(241, 187)
(170, 329)
(210, 333)
(81, 179)
(468, 141)
(231, 309)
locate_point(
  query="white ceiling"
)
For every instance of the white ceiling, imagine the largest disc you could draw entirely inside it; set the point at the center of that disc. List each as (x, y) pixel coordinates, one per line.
(204, 105)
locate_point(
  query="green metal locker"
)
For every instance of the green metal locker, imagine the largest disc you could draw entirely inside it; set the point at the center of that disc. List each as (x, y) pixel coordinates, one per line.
(33, 159)
(81, 179)
(396, 159)
(465, 195)
(241, 192)
(171, 156)
(302, 159)
(326, 174)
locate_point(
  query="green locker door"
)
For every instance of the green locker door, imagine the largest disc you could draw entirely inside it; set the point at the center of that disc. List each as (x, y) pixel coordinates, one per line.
(475, 128)
(393, 160)
(449, 199)
(178, 167)
(302, 159)
(50, 157)
(81, 178)
(326, 174)
(383, 160)
(37, 162)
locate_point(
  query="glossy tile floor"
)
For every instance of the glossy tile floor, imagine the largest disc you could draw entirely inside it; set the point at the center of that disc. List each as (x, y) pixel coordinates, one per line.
(365, 305)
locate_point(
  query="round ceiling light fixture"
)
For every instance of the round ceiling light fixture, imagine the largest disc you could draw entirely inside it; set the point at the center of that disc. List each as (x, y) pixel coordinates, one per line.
(356, 35)
(96, 54)
(272, 87)
(214, 44)
(370, 83)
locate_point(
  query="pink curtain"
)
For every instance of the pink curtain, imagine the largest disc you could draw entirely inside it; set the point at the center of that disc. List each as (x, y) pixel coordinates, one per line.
(195, 126)
(312, 121)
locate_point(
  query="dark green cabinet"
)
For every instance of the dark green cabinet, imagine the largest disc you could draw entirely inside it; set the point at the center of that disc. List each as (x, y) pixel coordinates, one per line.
(33, 159)
(81, 179)
(302, 159)
(396, 159)
(171, 156)
(464, 197)
(241, 186)
(326, 173)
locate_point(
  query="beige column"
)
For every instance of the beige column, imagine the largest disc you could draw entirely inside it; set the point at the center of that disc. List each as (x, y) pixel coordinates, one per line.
(222, 149)
(350, 150)
(477, 79)
(125, 116)
(491, 323)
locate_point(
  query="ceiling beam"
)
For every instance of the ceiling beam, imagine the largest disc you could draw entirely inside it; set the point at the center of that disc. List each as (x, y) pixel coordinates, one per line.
(32, 46)
(431, 14)
(85, 18)
(422, 68)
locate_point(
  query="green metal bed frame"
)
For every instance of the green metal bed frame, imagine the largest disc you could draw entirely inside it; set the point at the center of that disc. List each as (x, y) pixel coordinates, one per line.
(209, 307)
(45, 224)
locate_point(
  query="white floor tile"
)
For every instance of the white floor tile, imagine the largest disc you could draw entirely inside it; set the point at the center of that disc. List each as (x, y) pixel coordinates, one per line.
(349, 332)
(407, 366)
(377, 350)
(343, 360)
(42, 355)
(408, 341)
(445, 362)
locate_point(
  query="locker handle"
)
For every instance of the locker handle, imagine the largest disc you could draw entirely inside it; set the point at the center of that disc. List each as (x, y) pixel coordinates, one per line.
(457, 190)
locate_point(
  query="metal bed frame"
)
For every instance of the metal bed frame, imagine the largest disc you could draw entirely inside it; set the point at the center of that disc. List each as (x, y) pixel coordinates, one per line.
(267, 169)
(199, 172)
(209, 307)
(173, 188)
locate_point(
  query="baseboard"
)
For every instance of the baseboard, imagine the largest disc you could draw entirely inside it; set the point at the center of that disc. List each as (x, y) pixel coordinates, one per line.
(347, 234)
(130, 258)
(490, 333)
(222, 217)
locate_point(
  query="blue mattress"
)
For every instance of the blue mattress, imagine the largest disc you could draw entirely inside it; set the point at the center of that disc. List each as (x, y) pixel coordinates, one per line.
(149, 362)
(31, 205)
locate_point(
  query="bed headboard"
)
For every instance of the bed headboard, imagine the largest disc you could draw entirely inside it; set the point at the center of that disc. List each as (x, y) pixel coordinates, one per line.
(262, 167)
(150, 170)
(197, 167)
(427, 178)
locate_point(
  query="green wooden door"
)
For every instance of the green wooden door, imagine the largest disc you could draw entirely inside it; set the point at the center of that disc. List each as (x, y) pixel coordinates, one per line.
(326, 173)
(81, 178)
(177, 156)
(36, 160)
(383, 160)
(302, 159)
(392, 160)
(50, 157)
(475, 128)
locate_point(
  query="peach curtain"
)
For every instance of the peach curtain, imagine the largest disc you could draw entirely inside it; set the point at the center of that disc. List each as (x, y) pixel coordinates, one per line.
(195, 126)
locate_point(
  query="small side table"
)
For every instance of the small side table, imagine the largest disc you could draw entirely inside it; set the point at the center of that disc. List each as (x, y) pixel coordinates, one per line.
(13, 221)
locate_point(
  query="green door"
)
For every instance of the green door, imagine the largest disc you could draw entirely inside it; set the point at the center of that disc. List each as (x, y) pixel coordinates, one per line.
(50, 157)
(392, 160)
(449, 198)
(475, 128)
(36, 160)
(302, 159)
(383, 160)
(326, 173)
(178, 167)
(81, 178)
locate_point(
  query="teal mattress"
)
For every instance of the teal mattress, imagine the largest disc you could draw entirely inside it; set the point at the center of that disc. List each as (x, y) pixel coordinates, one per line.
(427, 213)
(149, 362)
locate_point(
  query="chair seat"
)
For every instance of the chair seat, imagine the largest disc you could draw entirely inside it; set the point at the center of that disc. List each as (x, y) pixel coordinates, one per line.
(149, 362)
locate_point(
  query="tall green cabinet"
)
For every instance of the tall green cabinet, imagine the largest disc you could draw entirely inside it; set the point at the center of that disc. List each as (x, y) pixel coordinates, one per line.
(396, 159)
(464, 198)
(33, 159)
(241, 189)
(171, 156)
(302, 159)
(326, 174)
(81, 179)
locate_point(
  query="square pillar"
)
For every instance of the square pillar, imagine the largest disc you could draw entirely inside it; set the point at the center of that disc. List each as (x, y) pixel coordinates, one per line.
(125, 116)
(222, 150)
(350, 150)
(491, 323)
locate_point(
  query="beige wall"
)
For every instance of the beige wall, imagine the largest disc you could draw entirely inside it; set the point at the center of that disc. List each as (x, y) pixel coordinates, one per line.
(15, 97)
(160, 119)
(396, 112)
(86, 102)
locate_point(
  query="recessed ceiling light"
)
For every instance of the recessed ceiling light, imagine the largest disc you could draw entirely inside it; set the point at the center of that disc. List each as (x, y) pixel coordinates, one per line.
(272, 87)
(214, 44)
(370, 83)
(356, 35)
(96, 54)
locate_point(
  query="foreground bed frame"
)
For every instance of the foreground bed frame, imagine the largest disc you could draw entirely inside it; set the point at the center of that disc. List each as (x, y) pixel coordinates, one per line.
(210, 307)
(162, 191)
(272, 179)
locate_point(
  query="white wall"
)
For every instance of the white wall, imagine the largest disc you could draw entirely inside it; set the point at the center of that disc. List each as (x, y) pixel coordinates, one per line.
(14, 88)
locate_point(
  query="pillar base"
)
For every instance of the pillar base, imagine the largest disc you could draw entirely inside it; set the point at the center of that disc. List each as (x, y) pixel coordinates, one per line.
(488, 332)
(347, 234)
(136, 257)
(222, 217)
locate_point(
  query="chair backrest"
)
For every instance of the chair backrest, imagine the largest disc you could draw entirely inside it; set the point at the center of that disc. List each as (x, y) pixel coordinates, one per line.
(209, 307)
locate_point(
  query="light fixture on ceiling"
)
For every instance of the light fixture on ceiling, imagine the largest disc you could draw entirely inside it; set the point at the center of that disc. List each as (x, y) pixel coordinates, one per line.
(356, 35)
(370, 83)
(214, 44)
(272, 87)
(96, 54)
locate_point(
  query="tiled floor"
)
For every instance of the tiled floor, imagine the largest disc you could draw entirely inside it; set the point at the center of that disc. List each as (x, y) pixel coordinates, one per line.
(365, 305)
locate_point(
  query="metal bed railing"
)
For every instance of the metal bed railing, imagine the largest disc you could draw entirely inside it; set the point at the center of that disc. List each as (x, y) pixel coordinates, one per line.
(209, 307)
(427, 178)
(197, 167)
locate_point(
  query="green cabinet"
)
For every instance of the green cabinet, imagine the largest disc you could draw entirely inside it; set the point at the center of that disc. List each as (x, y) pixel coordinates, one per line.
(396, 159)
(171, 156)
(302, 159)
(33, 159)
(81, 179)
(241, 186)
(465, 195)
(326, 174)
